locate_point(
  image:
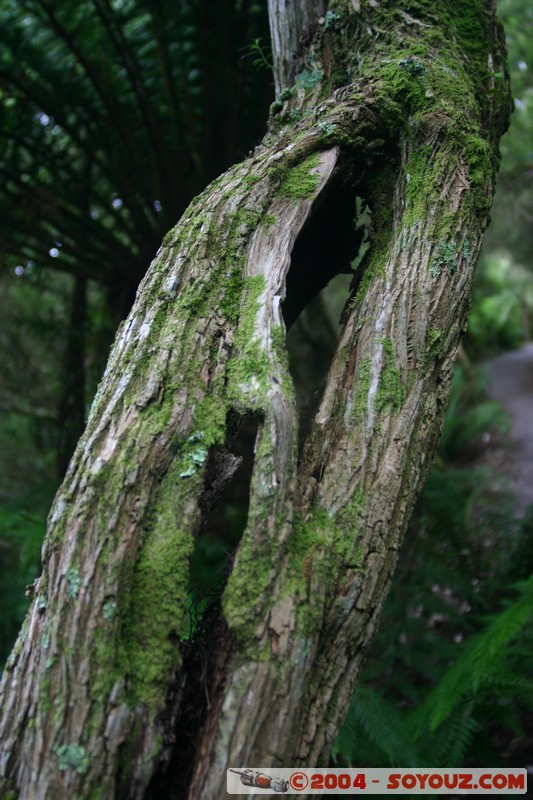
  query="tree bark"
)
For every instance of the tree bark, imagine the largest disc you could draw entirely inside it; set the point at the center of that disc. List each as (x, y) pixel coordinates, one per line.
(104, 696)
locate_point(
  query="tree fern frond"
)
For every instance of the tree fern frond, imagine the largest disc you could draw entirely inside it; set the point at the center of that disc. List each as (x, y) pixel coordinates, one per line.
(462, 729)
(479, 663)
(375, 719)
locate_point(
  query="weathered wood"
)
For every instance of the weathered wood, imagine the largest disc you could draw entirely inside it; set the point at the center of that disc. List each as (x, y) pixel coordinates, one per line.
(393, 101)
(291, 22)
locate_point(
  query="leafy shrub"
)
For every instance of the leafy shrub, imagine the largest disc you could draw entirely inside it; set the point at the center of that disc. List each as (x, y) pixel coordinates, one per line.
(502, 305)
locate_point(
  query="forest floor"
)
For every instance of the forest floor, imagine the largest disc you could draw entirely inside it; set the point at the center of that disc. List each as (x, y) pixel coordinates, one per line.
(510, 382)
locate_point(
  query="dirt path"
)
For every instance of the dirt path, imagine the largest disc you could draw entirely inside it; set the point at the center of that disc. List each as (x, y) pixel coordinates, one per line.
(511, 383)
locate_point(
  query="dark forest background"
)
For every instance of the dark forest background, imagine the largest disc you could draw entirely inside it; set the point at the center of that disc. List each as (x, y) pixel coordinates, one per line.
(114, 114)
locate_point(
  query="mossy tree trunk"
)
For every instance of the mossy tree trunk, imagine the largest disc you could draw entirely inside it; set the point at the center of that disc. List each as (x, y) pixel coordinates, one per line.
(401, 104)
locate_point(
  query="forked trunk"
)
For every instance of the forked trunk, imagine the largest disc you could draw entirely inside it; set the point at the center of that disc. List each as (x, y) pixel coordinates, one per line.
(401, 104)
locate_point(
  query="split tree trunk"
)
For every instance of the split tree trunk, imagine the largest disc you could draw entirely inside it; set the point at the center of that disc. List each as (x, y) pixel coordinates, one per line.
(403, 105)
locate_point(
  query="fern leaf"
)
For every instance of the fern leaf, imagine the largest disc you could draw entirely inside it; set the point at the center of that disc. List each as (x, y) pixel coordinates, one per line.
(479, 663)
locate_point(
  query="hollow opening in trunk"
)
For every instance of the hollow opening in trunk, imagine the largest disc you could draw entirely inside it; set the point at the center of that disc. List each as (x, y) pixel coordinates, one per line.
(325, 267)
(207, 646)
(224, 506)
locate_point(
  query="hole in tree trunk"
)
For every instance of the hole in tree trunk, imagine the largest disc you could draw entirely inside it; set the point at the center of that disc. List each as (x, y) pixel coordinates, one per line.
(324, 268)
(328, 245)
(224, 505)
(312, 340)
(208, 647)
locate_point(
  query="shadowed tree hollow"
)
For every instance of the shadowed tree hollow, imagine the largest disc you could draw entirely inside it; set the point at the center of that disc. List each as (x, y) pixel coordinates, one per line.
(108, 694)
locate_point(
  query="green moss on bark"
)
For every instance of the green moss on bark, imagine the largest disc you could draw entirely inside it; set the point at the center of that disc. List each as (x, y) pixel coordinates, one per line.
(72, 756)
(320, 549)
(362, 386)
(249, 366)
(156, 617)
(300, 181)
(391, 392)
(246, 590)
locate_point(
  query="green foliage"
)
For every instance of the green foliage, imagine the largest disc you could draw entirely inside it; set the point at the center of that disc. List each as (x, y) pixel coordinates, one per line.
(502, 305)
(487, 691)
(513, 205)
(485, 665)
(470, 413)
(109, 125)
(22, 528)
(374, 733)
(260, 53)
(501, 314)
